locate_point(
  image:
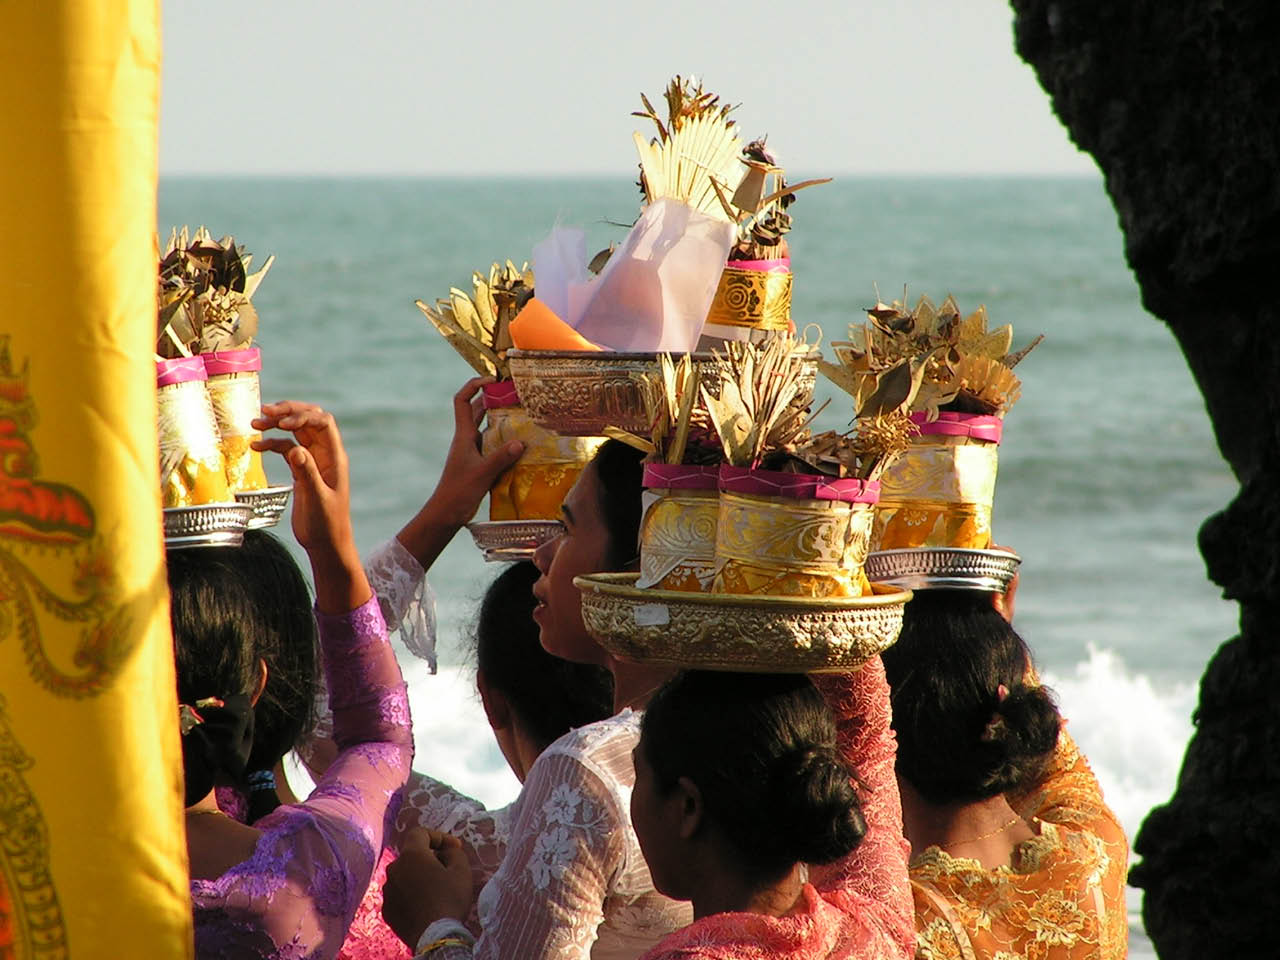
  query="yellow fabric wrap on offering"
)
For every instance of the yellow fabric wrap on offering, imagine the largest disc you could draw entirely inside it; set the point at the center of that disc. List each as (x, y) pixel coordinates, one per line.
(235, 394)
(791, 546)
(755, 297)
(536, 485)
(678, 529)
(192, 471)
(938, 494)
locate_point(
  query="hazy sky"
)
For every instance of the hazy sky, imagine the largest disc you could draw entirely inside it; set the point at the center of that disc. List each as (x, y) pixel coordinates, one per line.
(541, 87)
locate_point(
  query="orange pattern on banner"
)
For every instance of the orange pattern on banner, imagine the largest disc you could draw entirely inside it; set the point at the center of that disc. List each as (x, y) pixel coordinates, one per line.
(87, 692)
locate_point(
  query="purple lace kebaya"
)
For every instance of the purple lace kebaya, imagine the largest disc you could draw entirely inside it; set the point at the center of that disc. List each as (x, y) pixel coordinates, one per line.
(296, 896)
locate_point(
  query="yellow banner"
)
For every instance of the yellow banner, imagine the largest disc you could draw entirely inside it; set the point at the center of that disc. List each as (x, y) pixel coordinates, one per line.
(92, 854)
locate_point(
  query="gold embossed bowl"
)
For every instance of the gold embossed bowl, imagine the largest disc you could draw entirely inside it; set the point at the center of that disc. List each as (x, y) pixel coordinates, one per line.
(578, 393)
(756, 634)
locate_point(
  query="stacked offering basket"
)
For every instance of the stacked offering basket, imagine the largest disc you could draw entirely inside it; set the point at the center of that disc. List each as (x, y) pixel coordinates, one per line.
(753, 299)
(795, 535)
(524, 502)
(199, 509)
(678, 527)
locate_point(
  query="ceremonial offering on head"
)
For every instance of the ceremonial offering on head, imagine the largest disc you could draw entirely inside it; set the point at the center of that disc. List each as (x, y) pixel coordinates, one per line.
(524, 502)
(933, 520)
(207, 376)
(706, 262)
(765, 572)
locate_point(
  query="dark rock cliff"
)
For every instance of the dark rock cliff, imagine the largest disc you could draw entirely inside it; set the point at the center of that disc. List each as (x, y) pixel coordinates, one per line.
(1179, 102)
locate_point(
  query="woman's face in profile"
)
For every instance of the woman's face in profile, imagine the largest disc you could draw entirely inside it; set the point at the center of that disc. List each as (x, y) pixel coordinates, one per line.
(581, 548)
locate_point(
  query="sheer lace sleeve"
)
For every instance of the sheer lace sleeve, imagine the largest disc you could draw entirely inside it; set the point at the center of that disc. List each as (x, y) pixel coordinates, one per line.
(871, 881)
(297, 894)
(407, 601)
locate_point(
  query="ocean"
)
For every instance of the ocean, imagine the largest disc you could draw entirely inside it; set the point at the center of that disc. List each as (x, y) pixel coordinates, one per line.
(1107, 468)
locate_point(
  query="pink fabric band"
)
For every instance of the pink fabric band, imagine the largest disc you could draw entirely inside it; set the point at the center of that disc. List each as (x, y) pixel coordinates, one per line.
(781, 265)
(974, 425)
(181, 370)
(800, 486)
(676, 476)
(500, 394)
(232, 361)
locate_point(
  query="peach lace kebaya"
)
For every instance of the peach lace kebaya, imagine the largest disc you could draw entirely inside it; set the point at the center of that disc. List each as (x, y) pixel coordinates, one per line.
(858, 908)
(1061, 897)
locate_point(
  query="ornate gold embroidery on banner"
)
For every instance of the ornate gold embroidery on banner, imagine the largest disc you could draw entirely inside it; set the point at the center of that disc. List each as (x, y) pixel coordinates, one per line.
(31, 922)
(537, 484)
(790, 547)
(678, 539)
(938, 494)
(752, 298)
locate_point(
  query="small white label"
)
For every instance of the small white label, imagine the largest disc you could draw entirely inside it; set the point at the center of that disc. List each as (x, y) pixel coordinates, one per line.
(652, 615)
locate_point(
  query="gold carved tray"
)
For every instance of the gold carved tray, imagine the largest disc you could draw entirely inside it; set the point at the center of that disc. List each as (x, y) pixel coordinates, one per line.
(506, 540)
(757, 634)
(578, 393)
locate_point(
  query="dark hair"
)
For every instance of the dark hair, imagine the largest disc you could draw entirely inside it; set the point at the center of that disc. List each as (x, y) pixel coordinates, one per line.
(229, 608)
(211, 613)
(287, 639)
(761, 748)
(619, 480)
(958, 740)
(549, 696)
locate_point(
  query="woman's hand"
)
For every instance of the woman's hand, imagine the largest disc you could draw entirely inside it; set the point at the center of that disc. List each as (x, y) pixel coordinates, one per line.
(467, 476)
(321, 499)
(430, 880)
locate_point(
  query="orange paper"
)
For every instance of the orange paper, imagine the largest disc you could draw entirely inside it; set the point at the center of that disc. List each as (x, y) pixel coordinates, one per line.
(537, 327)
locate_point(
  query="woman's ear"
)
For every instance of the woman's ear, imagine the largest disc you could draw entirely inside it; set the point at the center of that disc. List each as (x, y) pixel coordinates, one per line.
(496, 707)
(261, 684)
(689, 800)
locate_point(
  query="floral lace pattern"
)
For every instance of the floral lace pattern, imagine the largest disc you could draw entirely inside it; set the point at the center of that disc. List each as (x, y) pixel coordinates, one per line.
(298, 892)
(407, 601)
(436, 806)
(1060, 898)
(858, 907)
(573, 883)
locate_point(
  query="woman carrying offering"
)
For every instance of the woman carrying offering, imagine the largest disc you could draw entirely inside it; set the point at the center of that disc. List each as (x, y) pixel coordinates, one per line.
(288, 885)
(1014, 852)
(574, 882)
(779, 822)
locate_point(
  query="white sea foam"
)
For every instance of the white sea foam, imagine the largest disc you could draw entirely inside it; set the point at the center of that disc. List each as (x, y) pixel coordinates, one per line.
(1133, 731)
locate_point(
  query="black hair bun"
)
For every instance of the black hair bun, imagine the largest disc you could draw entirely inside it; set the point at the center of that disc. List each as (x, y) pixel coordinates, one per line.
(1020, 737)
(817, 813)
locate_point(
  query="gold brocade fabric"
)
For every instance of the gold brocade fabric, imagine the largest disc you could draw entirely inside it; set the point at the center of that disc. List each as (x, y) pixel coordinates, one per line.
(791, 547)
(1061, 898)
(536, 485)
(192, 471)
(678, 539)
(244, 465)
(752, 298)
(237, 399)
(938, 494)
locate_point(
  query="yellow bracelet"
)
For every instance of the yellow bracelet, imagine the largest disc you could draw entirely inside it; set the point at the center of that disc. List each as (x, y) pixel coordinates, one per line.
(442, 942)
